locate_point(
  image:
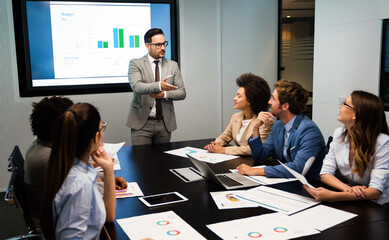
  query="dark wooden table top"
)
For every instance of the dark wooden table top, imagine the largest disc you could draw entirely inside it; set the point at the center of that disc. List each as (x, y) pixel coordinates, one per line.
(149, 166)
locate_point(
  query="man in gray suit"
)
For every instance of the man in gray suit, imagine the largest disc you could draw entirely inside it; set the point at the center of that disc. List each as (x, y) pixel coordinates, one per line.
(156, 82)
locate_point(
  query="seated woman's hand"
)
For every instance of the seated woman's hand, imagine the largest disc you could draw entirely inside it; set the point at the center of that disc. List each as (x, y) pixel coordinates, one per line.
(359, 191)
(211, 146)
(101, 157)
(320, 194)
(216, 148)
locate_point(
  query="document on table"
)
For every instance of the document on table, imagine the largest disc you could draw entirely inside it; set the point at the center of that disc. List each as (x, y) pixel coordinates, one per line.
(272, 226)
(112, 149)
(201, 154)
(322, 217)
(263, 180)
(229, 200)
(164, 225)
(181, 152)
(277, 200)
(132, 190)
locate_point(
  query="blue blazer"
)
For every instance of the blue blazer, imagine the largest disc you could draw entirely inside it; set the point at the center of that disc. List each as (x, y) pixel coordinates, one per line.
(305, 141)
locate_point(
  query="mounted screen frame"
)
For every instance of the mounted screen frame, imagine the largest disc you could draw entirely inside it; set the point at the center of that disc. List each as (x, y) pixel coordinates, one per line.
(25, 52)
(384, 78)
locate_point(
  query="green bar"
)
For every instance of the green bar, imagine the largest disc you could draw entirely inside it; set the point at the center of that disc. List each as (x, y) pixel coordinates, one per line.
(105, 44)
(121, 38)
(136, 41)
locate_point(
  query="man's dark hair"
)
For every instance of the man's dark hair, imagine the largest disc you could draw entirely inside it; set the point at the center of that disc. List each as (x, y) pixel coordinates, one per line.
(44, 115)
(257, 91)
(152, 32)
(292, 93)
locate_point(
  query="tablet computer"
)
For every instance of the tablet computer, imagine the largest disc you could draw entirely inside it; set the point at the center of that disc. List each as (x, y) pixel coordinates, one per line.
(162, 199)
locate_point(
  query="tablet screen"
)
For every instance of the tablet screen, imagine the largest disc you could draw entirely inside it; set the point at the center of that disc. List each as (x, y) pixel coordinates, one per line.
(162, 199)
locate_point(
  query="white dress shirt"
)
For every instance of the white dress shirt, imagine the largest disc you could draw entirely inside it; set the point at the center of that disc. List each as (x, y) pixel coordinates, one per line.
(153, 112)
(376, 174)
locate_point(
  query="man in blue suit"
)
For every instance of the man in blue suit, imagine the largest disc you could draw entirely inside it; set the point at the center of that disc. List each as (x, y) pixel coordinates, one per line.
(294, 137)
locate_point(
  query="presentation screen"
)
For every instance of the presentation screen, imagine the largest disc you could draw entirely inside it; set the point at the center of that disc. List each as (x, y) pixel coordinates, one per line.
(81, 47)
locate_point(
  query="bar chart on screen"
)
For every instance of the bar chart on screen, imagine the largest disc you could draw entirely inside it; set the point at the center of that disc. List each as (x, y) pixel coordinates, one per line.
(87, 39)
(119, 42)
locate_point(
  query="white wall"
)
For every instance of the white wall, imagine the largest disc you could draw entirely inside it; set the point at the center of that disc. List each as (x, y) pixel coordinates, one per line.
(213, 54)
(347, 54)
(198, 115)
(249, 44)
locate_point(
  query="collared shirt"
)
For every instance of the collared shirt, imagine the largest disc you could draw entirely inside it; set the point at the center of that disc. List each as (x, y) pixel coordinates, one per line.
(153, 112)
(78, 208)
(288, 127)
(376, 174)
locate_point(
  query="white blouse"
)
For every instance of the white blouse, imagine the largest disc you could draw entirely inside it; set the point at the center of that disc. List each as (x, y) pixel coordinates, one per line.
(376, 174)
(245, 123)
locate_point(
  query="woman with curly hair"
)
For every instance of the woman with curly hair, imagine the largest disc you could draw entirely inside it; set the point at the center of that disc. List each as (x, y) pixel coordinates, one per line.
(251, 99)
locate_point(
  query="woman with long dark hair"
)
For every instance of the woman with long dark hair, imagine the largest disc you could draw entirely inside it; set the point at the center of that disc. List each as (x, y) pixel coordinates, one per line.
(360, 151)
(72, 205)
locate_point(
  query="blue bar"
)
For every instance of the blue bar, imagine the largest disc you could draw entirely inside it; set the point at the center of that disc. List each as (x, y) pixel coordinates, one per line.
(132, 41)
(99, 44)
(115, 38)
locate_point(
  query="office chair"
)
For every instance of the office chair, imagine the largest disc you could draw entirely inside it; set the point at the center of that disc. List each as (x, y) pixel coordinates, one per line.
(16, 193)
(330, 138)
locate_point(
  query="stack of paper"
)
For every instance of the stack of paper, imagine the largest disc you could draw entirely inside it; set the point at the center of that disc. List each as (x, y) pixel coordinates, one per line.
(281, 226)
(201, 154)
(132, 190)
(277, 200)
(266, 197)
(164, 225)
(229, 200)
(322, 217)
(272, 226)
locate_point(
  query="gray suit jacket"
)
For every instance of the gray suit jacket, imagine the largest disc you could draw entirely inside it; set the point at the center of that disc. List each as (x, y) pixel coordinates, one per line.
(141, 78)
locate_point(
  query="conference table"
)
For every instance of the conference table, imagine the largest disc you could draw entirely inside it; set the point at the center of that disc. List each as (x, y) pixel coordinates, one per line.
(149, 166)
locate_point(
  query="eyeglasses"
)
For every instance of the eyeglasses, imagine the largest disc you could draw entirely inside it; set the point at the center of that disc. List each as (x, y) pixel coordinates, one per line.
(159, 45)
(345, 104)
(103, 126)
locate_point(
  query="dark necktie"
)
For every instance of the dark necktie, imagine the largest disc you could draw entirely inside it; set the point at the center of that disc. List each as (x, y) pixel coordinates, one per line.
(158, 105)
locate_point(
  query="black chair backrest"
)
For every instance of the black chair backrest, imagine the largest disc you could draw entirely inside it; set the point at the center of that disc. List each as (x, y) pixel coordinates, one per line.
(16, 186)
(330, 138)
